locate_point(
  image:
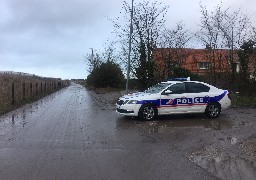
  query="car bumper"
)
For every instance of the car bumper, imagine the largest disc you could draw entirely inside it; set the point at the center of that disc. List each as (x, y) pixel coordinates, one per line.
(225, 103)
(128, 109)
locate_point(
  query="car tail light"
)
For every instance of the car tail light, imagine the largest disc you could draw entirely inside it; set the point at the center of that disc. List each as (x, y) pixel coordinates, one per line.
(229, 94)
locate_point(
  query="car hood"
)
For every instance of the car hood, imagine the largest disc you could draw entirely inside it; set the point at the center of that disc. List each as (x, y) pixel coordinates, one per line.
(137, 96)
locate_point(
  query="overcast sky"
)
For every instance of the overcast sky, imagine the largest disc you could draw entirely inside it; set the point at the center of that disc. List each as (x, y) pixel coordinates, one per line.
(50, 37)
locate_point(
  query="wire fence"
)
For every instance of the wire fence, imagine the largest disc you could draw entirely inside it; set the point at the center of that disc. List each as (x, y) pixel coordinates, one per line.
(17, 88)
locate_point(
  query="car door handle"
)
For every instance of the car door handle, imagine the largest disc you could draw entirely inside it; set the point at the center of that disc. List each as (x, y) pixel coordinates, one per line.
(183, 97)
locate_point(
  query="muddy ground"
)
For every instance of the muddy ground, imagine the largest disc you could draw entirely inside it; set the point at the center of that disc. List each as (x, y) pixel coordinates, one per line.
(76, 134)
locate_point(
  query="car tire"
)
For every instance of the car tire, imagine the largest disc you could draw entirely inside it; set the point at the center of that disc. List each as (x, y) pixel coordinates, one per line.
(147, 112)
(213, 110)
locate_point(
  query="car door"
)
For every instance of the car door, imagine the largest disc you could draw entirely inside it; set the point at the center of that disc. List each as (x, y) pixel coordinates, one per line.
(173, 99)
(199, 95)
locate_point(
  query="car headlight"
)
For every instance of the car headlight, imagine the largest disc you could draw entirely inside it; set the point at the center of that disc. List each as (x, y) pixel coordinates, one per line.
(132, 102)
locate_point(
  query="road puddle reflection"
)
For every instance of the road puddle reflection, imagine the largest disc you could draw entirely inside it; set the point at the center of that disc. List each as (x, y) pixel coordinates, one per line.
(16, 118)
(233, 140)
(224, 166)
(19, 116)
(173, 122)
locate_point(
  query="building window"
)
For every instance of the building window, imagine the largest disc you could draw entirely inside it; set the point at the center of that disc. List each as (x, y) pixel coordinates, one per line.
(203, 65)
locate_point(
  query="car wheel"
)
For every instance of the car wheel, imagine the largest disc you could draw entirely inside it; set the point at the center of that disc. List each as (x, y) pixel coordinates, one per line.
(213, 110)
(147, 112)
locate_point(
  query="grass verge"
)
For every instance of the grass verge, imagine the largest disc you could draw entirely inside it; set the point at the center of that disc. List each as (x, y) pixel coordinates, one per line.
(243, 101)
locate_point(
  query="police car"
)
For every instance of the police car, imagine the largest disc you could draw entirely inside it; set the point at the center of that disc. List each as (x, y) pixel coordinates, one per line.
(177, 96)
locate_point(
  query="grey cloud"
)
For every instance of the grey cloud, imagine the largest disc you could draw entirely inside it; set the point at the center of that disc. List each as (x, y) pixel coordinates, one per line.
(54, 14)
(50, 37)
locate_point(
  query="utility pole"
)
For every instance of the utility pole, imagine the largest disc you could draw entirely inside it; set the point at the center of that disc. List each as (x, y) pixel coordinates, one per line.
(129, 54)
(232, 45)
(92, 56)
(232, 55)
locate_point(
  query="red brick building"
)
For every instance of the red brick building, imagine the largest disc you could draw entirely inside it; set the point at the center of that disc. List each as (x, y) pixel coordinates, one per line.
(198, 61)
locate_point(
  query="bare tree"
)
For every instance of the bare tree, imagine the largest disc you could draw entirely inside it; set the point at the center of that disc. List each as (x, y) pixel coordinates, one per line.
(235, 28)
(148, 20)
(223, 29)
(93, 60)
(110, 52)
(171, 52)
(253, 60)
(97, 57)
(210, 35)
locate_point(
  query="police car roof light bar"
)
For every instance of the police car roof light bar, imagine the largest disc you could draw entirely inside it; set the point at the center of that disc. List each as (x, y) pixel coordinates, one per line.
(179, 79)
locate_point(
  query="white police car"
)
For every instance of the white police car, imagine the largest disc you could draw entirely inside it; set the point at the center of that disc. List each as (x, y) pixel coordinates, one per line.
(177, 96)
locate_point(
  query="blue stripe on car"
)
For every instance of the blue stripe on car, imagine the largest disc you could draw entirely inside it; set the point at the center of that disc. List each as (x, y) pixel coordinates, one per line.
(217, 98)
(177, 101)
(155, 102)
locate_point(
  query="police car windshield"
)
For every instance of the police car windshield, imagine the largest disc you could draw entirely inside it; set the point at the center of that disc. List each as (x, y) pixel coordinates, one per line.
(157, 88)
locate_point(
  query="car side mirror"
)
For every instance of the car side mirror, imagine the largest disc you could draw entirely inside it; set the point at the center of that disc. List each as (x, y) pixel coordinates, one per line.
(167, 92)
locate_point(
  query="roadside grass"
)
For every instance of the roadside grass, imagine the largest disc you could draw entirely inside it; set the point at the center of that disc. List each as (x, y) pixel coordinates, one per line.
(102, 90)
(238, 100)
(110, 94)
(18, 89)
(243, 101)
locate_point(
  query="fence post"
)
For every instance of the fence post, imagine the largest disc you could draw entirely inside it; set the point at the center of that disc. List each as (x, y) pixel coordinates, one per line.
(31, 89)
(23, 91)
(36, 89)
(13, 96)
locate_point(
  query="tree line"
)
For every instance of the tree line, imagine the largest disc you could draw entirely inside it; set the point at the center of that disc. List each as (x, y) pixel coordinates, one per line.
(221, 28)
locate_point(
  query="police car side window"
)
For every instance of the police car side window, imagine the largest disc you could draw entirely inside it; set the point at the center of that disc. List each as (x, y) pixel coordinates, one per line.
(177, 88)
(192, 87)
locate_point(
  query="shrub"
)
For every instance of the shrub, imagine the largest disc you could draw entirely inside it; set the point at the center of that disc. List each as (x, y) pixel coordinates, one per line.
(108, 74)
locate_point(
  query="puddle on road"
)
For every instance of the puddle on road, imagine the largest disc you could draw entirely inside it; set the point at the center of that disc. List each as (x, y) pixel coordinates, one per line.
(161, 125)
(224, 166)
(233, 140)
(18, 116)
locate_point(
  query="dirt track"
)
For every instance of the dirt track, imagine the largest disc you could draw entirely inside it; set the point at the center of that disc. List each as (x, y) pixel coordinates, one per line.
(76, 134)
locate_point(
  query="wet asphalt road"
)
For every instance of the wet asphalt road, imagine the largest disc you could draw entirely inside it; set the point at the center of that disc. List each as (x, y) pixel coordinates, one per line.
(76, 134)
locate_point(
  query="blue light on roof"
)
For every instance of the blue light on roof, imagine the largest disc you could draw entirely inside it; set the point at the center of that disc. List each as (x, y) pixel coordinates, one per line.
(179, 79)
